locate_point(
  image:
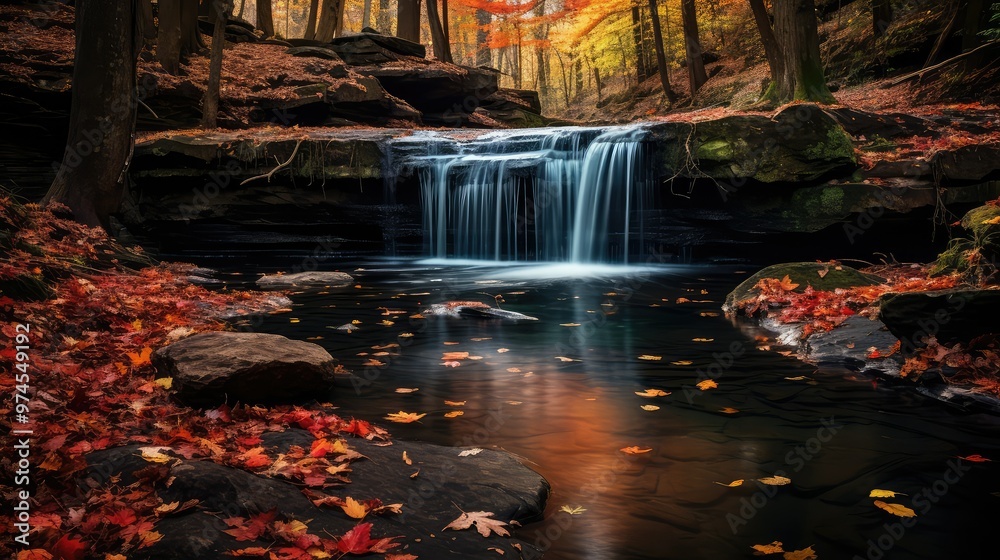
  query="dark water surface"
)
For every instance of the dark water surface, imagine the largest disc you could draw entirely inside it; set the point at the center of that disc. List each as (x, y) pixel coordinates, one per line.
(568, 419)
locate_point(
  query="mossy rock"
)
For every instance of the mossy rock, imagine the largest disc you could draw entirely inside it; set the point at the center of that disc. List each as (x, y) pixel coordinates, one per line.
(804, 274)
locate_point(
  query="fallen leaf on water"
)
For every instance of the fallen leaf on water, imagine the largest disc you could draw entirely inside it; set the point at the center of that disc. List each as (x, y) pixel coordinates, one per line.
(732, 484)
(574, 510)
(977, 458)
(483, 520)
(514, 403)
(502, 350)
(797, 378)
(452, 343)
(452, 356)
(406, 335)
(728, 410)
(649, 407)
(804, 554)
(707, 384)
(773, 548)
(650, 393)
(451, 364)
(700, 339)
(454, 403)
(386, 323)
(682, 363)
(565, 359)
(650, 358)
(683, 300)
(787, 284)
(708, 314)
(406, 459)
(635, 450)
(293, 320)
(372, 362)
(405, 390)
(480, 339)
(513, 370)
(471, 452)
(569, 324)
(876, 493)
(497, 549)
(775, 480)
(354, 508)
(898, 510)
(453, 414)
(404, 417)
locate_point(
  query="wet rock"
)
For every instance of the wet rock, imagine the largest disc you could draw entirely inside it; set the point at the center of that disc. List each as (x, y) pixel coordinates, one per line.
(301, 279)
(318, 52)
(951, 316)
(487, 481)
(804, 274)
(212, 368)
(968, 163)
(434, 87)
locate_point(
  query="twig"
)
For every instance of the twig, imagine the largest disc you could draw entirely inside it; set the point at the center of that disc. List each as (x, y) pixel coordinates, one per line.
(276, 169)
(151, 111)
(920, 73)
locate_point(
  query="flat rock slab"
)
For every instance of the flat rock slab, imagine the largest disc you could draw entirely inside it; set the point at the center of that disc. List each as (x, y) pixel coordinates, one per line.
(825, 277)
(211, 368)
(300, 279)
(487, 481)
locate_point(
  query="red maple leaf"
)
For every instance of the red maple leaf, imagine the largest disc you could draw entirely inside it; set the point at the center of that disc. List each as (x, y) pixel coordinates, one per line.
(122, 517)
(359, 428)
(69, 548)
(358, 541)
(252, 529)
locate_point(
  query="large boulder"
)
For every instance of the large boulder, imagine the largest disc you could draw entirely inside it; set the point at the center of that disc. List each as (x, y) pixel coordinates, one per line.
(375, 48)
(950, 316)
(820, 276)
(435, 87)
(968, 163)
(486, 481)
(212, 368)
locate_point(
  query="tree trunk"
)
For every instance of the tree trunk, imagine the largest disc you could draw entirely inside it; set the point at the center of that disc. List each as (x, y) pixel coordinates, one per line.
(661, 57)
(366, 18)
(578, 71)
(446, 23)
(191, 42)
(331, 20)
(692, 45)
(597, 82)
(168, 37)
(565, 79)
(408, 20)
(265, 18)
(148, 22)
(640, 62)
(243, 5)
(795, 29)
(483, 55)
(775, 59)
(881, 16)
(311, 19)
(442, 50)
(220, 17)
(541, 38)
(384, 19)
(91, 178)
(974, 15)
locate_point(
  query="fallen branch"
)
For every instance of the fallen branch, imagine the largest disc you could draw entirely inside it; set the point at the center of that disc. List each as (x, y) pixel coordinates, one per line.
(271, 173)
(920, 73)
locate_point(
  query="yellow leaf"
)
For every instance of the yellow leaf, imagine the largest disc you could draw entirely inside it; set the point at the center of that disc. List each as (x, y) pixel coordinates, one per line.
(502, 350)
(115, 557)
(294, 320)
(650, 393)
(454, 403)
(896, 509)
(354, 508)
(404, 417)
(451, 356)
(569, 325)
(682, 363)
(734, 484)
(574, 510)
(337, 469)
(775, 480)
(137, 325)
(406, 459)
(355, 322)
(406, 390)
(142, 358)
(154, 455)
(386, 323)
(406, 335)
(635, 450)
(650, 358)
(649, 407)
(992, 221)
(699, 339)
(787, 284)
(707, 384)
(728, 410)
(876, 493)
(804, 554)
(453, 414)
(773, 548)
(165, 382)
(167, 508)
(148, 538)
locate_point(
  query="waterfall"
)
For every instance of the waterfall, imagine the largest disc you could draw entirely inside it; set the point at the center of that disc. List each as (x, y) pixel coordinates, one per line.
(555, 195)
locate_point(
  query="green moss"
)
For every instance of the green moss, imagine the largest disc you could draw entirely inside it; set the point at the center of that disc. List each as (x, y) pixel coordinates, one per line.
(716, 150)
(974, 256)
(836, 145)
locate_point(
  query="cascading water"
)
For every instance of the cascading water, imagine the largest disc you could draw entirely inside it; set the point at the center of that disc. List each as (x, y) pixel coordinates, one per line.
(556, 195)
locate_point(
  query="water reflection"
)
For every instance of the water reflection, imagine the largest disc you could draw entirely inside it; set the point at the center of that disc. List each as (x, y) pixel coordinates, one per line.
(568, 419)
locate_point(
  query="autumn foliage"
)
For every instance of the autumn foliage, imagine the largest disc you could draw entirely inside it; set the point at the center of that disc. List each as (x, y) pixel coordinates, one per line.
(92, 387)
